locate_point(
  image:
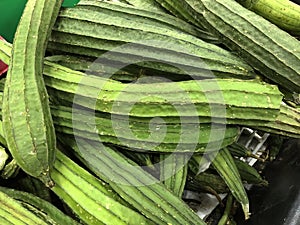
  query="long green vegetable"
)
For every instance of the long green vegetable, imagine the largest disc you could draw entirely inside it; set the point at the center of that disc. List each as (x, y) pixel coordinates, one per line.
(263, 45)
(50, 212)
(206, 98)
(224, 164)
(145, 16)
(12, 212)
(207, 182)
(224, 219)
(249, 174)
(283, 13)
(27, 121)
(89, 30)
(173, 172)
(255, 111)
(136, 186)
(91, 199)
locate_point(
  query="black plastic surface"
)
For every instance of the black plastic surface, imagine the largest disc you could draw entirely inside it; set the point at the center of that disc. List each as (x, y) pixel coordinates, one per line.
(296, 1)
(279, 203)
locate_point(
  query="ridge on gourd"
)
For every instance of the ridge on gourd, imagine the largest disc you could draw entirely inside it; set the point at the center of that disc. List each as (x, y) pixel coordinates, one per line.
(146, 4)
(181, 10)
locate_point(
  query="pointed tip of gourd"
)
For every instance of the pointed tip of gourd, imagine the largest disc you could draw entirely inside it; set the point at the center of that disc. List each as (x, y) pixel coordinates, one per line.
(45, 178)
(50, 184)
(246, 210)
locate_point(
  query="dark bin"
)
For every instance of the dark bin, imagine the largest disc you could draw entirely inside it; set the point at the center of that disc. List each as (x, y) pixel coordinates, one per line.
(279, 203)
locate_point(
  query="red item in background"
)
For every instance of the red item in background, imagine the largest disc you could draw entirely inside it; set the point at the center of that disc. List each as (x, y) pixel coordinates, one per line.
(3, 66)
